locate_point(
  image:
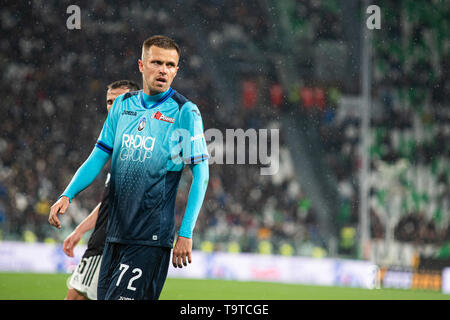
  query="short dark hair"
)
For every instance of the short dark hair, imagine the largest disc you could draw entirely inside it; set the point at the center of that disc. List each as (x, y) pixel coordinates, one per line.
(133, 86)
(161, 42)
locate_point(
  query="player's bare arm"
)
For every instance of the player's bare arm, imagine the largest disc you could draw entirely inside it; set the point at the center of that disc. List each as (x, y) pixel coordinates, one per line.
(182, 251)
(87, 224)
(59, 207)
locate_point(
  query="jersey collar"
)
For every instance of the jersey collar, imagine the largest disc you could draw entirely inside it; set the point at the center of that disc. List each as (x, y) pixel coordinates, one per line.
(150, 102)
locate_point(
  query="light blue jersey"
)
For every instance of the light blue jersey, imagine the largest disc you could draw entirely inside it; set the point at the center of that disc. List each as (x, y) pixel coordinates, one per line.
(150, 140)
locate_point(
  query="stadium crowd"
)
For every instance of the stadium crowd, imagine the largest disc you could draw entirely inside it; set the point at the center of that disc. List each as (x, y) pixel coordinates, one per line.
(53, 86)
(410, 168)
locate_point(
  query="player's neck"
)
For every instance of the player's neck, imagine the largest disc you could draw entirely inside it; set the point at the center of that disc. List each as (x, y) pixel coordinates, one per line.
(153, 94)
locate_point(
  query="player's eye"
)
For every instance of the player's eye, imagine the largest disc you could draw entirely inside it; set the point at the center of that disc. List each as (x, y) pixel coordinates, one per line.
(109, 102)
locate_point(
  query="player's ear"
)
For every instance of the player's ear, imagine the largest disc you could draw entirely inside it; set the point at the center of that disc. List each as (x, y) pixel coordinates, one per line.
(141, 65)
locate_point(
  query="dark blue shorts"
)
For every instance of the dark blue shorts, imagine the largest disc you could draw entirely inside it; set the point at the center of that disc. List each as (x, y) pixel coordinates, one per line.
(132, 272)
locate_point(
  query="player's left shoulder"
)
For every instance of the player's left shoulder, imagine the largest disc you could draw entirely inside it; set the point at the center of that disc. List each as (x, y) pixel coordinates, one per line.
(187, 110)
(184, 104)
(179, 99)
(190, 110)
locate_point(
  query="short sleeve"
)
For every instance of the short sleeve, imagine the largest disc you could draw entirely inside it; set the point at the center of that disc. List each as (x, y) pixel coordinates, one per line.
(194, 150)
(106, 138)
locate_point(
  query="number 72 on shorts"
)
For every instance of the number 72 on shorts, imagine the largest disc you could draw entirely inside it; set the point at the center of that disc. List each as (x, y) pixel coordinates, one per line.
(124, 268)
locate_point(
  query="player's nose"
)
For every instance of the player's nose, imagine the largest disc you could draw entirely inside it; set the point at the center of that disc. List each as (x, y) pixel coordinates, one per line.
(163, 69)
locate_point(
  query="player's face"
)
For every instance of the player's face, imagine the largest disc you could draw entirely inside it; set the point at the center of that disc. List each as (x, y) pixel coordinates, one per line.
(158, 67)
(112, 94)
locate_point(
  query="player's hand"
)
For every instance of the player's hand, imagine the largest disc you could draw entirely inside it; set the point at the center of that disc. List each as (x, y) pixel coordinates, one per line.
(181, 252)
(60, 207)
(70, 242)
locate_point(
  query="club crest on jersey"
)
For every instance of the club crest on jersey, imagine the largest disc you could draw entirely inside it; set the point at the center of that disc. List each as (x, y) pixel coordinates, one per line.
(159, 116)
(141, 124)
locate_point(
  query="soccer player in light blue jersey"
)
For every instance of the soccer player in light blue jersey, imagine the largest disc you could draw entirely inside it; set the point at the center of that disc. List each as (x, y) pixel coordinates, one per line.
(150, 136)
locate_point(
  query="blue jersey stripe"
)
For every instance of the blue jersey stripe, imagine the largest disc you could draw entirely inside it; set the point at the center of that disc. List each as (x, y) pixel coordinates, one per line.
(196, 159)
(104, 147)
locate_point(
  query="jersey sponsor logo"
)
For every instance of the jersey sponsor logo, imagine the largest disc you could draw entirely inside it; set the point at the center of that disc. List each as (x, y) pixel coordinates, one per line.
(141, 124)
(137, 141)
(136, 147)
(159, 116)
(129, 113)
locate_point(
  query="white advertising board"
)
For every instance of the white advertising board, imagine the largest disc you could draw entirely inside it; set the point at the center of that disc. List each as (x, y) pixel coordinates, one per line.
(37, 257)
(40, 257)
(302, 270)
(446, 280)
